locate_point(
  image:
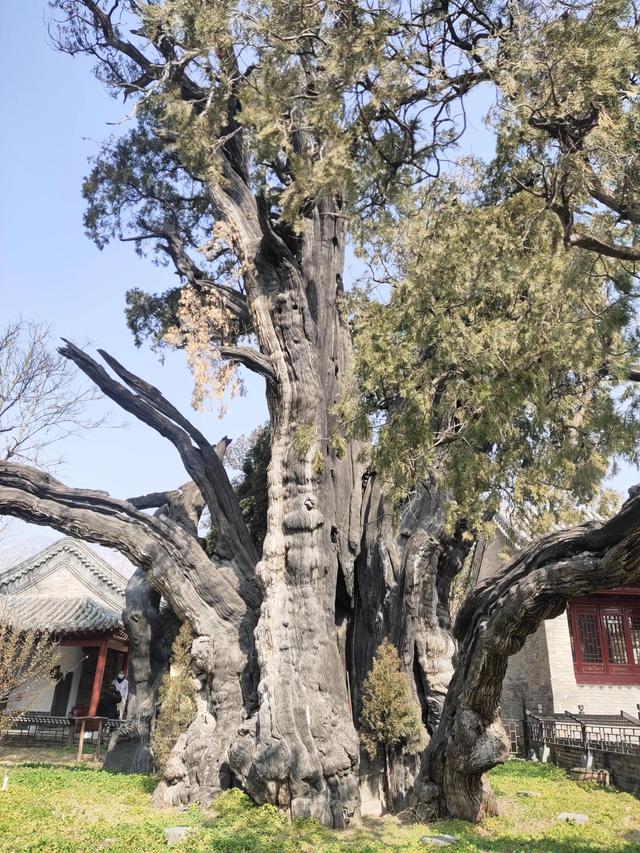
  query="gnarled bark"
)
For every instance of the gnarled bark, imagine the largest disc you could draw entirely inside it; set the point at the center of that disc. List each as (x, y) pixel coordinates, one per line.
(129, 746)
(493, 624)
(200, 590)
(300, 750)
(403, 577)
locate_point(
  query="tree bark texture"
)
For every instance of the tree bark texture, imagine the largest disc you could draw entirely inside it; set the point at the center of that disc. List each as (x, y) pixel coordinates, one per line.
(300, 749)
(129, 747)
(149, 647)
(404, 572)
(493, 624)
(200, 590)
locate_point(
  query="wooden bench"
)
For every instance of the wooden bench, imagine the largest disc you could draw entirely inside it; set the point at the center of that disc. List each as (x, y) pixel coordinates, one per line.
(94, 724)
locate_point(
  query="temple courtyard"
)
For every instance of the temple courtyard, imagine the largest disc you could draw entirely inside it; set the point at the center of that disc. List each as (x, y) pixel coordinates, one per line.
(57, 807)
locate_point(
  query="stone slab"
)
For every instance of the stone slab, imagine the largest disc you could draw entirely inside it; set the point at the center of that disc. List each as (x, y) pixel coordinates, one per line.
(573, 817)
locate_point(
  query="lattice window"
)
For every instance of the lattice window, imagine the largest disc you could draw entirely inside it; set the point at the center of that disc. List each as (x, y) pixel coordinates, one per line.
(634, 630)
(605, 639)
(589, 634)
(616, 643)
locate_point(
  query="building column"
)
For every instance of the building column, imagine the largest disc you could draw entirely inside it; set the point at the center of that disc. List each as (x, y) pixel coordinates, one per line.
(97, 678)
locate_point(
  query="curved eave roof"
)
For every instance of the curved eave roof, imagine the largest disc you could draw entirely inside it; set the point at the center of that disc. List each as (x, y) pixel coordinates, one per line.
(59, 614)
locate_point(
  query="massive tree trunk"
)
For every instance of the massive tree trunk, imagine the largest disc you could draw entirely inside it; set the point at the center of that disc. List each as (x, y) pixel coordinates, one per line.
(129, 747)
(300, 749)
(403, 578)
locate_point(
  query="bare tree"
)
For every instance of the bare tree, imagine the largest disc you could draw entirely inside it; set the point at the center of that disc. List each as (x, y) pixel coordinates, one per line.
(28, 661)
(41, 401)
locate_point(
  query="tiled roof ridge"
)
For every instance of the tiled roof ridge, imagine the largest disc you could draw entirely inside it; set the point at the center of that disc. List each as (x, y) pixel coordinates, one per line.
(106, 573)
(79, 612)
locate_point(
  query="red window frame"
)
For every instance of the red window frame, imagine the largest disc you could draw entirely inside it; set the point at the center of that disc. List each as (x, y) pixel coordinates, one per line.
(593, 661)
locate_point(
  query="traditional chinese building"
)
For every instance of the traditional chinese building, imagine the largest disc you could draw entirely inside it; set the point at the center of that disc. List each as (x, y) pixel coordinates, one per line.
(70, 591)
(587, 659)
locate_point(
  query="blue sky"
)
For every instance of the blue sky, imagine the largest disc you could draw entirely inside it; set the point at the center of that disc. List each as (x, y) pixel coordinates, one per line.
(55, 114)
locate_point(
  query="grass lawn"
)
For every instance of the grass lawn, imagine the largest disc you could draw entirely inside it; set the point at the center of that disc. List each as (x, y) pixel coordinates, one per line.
(60, 809)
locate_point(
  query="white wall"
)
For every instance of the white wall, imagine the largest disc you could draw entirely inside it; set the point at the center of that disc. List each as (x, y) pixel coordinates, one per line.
(567, 694)
(70, 659)
(74, 659)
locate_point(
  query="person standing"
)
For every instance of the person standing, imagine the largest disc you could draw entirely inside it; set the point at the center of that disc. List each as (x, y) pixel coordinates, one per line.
(108, 704)
(122, 686)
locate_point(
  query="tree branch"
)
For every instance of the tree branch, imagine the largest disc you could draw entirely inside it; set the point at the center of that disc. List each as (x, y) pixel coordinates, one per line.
(233, 301)
(585, 241)
(629, 212)
(493, 624)
(251, 359)
(174, 561)
(202, 462)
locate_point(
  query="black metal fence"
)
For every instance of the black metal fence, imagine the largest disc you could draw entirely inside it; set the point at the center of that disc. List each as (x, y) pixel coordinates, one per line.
(40, 728)
(606, 733)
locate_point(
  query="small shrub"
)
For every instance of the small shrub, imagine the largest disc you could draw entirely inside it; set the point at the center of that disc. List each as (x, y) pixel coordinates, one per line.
(338, 445)
(177, 699)
(28, 662)
(303, 439)
(389, 716)
(318, 466)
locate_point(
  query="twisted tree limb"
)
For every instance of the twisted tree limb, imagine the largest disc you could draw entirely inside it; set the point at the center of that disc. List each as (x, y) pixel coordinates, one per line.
(200, 590)
(233, 543)
(493, 624)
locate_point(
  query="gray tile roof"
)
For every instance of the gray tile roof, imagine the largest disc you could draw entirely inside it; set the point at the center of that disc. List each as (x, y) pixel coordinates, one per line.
(95, 571)
(73, 614)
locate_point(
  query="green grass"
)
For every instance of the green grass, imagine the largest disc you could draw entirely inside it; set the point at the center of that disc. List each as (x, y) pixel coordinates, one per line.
(62, 809)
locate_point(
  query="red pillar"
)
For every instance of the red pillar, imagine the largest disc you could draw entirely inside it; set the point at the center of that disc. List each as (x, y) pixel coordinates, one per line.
(97, 678)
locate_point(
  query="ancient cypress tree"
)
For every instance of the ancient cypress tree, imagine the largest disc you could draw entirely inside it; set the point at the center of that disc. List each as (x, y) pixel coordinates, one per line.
(266, 138)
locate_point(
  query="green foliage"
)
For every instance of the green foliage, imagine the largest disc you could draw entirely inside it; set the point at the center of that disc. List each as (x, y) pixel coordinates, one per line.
(251, 488)
(177, 699)
(568, 114)
(389, 714)
(318, 465)
(107, 811)
(149, 316)
(338, 445)
(303, 439)
(498, 366)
